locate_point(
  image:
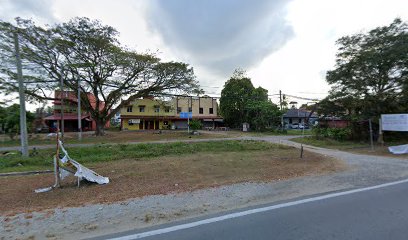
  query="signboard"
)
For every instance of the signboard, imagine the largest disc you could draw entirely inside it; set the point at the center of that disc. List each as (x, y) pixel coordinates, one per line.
(394, 122)
(187, 115)
(134, 121)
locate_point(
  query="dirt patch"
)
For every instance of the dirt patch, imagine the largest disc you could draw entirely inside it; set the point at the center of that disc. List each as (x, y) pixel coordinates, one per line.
(132, 179)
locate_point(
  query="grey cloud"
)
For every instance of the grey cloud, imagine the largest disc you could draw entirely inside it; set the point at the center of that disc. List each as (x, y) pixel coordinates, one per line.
(35, 9)
(222, 35)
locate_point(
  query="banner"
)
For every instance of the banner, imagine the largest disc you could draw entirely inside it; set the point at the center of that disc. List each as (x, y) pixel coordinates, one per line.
(394, 122)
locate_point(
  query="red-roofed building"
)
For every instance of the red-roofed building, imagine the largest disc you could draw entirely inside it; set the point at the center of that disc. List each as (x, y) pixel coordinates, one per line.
(71, 114)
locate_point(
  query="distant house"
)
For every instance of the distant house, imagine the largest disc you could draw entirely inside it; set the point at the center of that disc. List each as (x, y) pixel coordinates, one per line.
(334, 122)
(71, 114)
(298, 116)
(149, 113)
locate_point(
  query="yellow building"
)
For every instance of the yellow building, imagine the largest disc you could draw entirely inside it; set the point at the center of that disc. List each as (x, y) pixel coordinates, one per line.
(149, 113)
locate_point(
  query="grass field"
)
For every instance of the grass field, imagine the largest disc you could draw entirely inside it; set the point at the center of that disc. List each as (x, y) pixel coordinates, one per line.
(351, 146)
(137, 136)
(330, 143)
(146, 169)
(117, 137)
(137, 152)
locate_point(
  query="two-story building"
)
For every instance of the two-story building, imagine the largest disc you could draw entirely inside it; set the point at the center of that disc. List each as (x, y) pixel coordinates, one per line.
(70, 115)
(150, 113)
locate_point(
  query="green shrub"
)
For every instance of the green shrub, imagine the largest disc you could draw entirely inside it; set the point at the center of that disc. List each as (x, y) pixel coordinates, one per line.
(195, 124)
(339, 134)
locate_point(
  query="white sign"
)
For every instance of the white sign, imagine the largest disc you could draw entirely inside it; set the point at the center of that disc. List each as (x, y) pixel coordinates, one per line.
(134, 121)
(394, 122)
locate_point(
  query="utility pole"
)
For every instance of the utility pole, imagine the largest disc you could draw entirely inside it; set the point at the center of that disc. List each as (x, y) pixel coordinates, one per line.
(281, 107)
(188, 115)
(371, 134)
(23, 118)
(280, 99)
(62, 101)
(79, 112)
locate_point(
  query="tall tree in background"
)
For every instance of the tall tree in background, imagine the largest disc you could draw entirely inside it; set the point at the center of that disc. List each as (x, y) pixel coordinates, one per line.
(371, 72)
(10, 120)
(234, 98)
(86, 54)
(240, 102)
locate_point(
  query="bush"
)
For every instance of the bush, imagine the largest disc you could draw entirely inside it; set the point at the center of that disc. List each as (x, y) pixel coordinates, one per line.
(195, 124)
(339, 134)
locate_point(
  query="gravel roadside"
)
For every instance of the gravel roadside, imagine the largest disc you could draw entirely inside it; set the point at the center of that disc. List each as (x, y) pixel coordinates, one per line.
(94, 220)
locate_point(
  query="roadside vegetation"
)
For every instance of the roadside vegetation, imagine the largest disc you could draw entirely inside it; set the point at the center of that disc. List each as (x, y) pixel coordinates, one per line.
(369, 78)
(115, 137)
(138, 152)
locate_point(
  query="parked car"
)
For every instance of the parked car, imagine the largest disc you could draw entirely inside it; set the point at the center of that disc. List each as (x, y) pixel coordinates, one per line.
(303, 126)
(294, 126)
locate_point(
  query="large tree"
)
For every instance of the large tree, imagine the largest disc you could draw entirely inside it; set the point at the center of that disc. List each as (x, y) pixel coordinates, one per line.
(241, 102)
(86, 54)
(371, 72)
(234, 99)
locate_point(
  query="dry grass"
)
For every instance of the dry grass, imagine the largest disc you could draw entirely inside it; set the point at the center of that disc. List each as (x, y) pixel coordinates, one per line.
(119, 137)
(162, 175)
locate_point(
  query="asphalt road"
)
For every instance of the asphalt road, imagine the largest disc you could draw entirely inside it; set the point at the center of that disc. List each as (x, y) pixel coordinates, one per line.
(376, 213)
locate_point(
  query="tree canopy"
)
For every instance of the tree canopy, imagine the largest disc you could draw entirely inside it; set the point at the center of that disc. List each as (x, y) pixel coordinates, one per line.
(241, 102)
(371, 72)
(10, 120)
(86, 54)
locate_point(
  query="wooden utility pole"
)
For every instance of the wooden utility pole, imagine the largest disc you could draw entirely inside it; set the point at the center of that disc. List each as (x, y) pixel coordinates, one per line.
(281, 107)
(56, 162)
(21, 89)
(62, 102)
(79, 113)
(371, 134)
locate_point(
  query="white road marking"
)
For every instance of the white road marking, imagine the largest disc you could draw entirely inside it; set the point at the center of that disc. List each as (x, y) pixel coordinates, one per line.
(252, 211)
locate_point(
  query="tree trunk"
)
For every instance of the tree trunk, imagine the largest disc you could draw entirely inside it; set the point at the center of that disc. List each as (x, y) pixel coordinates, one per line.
(100, 127)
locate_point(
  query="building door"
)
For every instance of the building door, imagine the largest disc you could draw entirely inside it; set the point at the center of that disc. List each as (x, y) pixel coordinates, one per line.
(156, 125)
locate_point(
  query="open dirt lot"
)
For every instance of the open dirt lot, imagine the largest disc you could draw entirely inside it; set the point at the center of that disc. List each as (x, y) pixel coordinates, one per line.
(162, 175)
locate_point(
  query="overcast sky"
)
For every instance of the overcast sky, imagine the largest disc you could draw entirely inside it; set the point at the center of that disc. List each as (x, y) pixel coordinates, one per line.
(284, 45)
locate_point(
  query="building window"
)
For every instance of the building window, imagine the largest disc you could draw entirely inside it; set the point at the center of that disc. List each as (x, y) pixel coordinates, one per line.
(166, 109)
(141, 108)
(179, 110)
(190, 109)
(130, 122)
(129, 109)
(201, 111)
(211, 110)
(156, 109)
